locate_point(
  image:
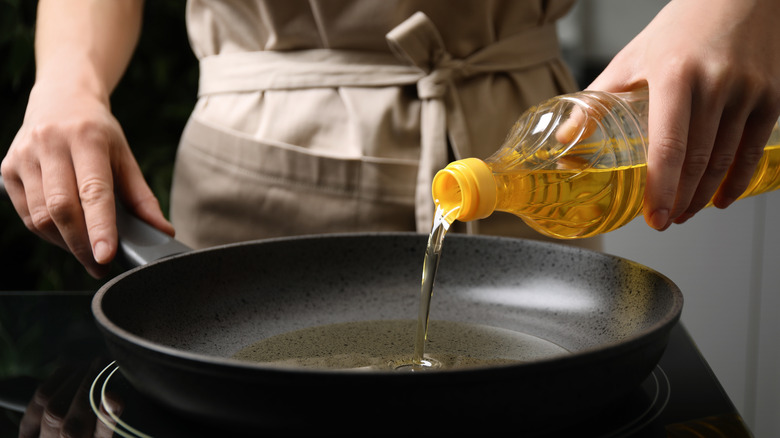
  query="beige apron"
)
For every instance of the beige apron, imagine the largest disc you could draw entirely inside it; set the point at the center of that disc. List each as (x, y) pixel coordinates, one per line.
(298, 132)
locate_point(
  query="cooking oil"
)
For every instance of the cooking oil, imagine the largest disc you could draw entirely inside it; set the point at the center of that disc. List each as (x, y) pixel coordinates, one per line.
(572, 180)
(442, 219)
(381, 346)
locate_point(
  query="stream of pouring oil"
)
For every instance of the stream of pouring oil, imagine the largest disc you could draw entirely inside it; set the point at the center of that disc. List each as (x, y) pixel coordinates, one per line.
(441, 224)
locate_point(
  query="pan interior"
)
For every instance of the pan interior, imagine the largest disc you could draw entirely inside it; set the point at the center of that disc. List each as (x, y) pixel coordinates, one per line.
(386, 345)
(217, 302)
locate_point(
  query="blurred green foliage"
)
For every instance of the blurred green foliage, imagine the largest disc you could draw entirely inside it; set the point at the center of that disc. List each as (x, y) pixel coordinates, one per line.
(152, 103)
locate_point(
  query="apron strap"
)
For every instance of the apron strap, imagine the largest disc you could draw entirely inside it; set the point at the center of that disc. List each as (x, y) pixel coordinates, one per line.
(418, 56)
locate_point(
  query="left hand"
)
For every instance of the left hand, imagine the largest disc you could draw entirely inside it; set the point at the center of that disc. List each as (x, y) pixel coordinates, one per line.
(713, 73)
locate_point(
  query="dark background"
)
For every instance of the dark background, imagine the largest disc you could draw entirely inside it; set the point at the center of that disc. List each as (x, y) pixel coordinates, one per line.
(152, 102)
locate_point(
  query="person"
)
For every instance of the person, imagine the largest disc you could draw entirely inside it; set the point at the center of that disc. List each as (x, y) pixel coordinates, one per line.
(318, 116)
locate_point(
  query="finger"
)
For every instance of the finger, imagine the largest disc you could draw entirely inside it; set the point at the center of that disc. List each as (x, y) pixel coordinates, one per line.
(30, 426)
(15, 189)
(64, 207)
(56, 408)
(105, 428)
(23, 173)
(749, 154)
(26, 192)
(80, 420)
(709, 153)
(94, 180)
(138, 196)
(668, 134)
(579, 125)
(60, 211)
(573, 128)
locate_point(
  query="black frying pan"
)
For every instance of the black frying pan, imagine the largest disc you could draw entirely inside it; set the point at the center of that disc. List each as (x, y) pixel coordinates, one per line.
(172, 325)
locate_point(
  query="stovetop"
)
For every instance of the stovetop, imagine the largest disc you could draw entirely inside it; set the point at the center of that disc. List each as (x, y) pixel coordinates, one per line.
(46, 333)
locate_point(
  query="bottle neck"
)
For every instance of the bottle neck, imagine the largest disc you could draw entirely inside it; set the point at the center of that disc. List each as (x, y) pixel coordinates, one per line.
(468, 186)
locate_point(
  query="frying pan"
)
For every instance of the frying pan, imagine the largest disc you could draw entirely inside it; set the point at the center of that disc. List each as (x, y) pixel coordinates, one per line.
(172, 325)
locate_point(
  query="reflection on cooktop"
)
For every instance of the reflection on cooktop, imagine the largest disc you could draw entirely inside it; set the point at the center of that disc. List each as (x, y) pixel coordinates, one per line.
(130, 414)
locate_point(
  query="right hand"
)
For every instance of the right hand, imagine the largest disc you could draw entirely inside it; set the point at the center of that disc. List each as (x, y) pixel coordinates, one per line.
(63, 168)
(714, 96)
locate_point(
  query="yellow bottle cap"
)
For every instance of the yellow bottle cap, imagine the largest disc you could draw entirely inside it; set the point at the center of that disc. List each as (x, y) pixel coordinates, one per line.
(467, 184)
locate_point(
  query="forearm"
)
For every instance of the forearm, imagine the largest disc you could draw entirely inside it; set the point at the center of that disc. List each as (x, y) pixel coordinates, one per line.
(70, 156)
(86, 44)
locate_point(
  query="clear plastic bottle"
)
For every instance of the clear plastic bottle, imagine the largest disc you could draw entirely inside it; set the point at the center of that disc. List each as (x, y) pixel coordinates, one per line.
(571, 167)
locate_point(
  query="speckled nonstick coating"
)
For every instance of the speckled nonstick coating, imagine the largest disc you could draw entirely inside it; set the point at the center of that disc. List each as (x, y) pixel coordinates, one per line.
(173, 324)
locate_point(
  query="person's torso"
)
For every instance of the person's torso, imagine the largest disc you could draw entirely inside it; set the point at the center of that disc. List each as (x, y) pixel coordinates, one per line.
(222, 26)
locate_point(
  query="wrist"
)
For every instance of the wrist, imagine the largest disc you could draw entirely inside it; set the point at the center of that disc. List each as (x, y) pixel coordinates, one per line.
(69, 73)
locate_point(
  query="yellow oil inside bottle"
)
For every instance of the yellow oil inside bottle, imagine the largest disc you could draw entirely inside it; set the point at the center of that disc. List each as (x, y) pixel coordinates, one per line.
(572, 203)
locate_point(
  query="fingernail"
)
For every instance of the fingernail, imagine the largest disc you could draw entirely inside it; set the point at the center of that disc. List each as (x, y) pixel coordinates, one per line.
(102, 252)
(659, 219)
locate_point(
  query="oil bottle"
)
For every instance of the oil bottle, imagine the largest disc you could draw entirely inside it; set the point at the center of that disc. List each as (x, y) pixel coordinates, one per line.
(571, 167)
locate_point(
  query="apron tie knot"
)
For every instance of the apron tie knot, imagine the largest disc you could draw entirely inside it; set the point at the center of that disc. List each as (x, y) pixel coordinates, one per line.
(417, 42)
(435, 84)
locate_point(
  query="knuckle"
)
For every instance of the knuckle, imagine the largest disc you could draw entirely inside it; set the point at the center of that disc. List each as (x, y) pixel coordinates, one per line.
(678, 67)
(51, 418)
(670, 149)
(93, 191)
(39, 220)
(42, 134)
(667, 193)
(696, 164)
(6, 167)
(719, 163)
(37, 140)
(59, 207)
(48, 136)
(97, 229)
(720, 71)
(91, 131)
(750, 156)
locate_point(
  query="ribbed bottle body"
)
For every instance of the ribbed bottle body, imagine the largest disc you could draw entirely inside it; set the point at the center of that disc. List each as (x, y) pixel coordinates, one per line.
(575, 166)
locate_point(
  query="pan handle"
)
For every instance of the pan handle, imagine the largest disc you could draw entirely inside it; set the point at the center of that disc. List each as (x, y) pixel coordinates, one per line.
(139, 242)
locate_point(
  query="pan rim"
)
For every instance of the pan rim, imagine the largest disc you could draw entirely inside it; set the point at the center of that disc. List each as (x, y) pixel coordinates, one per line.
(183, 358)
